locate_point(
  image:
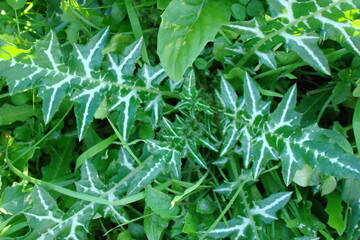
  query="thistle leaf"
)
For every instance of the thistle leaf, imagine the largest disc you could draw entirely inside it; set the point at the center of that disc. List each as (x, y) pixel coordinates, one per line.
(300, 25)
(279, 135)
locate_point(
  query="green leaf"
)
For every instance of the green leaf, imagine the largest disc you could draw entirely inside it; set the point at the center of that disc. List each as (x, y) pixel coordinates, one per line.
(265, 136)
(16, 4)
(306, 222)
(237, 227)
(205, 206)
(162, 4)
(154, 226)
(150, 171)
(186, 27)
(334, 210)
(267, 208)
(191, 223)
(77, 74)
(351, 191)
(243, 227)
(238, 11)
(328, 186)
(13, 200)
(10, 114)
(299, 25)
(160, 203)
(352, 230)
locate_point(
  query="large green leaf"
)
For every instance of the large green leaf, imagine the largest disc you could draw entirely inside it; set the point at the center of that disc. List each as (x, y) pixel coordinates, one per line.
(186, 27)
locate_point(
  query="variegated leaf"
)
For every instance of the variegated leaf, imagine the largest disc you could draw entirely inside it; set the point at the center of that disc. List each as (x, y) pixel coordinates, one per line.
(266, 209)
(78, 75)
(278, 135)
(47, 221)
(237, 228)
(244, 227)
(293, 23)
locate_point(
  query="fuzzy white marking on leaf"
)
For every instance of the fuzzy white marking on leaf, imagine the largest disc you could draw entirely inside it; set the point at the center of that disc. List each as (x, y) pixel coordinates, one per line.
(174, 163)
(197, 159)
(148, 174)
(55, 88)
(266, 58)
(300, 42)
(254, 30)
(169, 127)
(86, 61)
(231, 140)
(90, 93)
(246, 133)
(341, 27)
(292, 159)
(262, 211)
(38, 70)
(118, 69)
(254, 111)
(228, 94)
(238, 228)
(89, 176)
(155, 105)
(287, 4)
(150, 79)
(125, 161)
(49, 54)
(285, 110)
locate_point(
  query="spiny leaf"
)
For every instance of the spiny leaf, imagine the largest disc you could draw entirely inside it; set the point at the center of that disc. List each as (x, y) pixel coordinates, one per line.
(293, 23)
(47, 221)
(265, 136)
(81, 79)
(242, 227)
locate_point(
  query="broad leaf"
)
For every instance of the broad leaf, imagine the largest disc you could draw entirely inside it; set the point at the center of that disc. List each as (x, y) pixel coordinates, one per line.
(186, 27)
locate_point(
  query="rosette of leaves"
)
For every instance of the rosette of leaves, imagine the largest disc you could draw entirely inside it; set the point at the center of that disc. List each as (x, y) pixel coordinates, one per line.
(90, 79)
(299, 25)
(263, 135)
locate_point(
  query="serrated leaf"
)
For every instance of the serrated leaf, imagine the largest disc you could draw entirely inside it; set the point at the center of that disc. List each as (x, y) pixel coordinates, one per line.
(237, 228)
(78, 75)
(151, 170)
(182, 34)
(267, 208)
(47, 221)
(300, 25)
(265, 136)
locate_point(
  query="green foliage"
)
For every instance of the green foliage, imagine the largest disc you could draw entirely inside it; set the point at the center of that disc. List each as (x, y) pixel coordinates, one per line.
(185, 29)
(179, 119)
